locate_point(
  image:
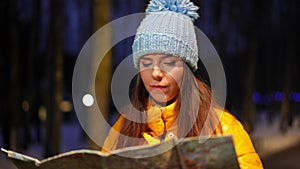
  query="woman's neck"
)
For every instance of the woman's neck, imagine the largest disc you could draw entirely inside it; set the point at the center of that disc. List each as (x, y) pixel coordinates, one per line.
(162, 104)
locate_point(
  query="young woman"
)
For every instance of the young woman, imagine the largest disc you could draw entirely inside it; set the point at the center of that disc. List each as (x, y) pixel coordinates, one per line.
(168, 99)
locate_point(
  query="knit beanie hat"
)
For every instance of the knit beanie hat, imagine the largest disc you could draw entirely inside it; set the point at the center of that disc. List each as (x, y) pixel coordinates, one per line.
(168, 29)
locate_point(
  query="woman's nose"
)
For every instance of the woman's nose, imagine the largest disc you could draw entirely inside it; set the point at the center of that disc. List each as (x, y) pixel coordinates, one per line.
(157, 73)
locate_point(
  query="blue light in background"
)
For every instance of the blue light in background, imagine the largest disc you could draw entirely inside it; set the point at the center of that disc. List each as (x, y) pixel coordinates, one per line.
(278, 96)
(295, 96)
(256, 97)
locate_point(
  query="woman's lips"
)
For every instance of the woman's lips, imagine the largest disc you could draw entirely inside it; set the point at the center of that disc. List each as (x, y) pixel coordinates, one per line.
(158, 87)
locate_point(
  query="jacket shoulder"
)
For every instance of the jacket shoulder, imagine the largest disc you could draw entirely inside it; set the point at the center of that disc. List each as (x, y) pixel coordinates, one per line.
(245, 151)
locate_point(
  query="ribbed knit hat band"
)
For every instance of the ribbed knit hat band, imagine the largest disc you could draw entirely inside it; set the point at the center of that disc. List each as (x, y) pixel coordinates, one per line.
(168, 32)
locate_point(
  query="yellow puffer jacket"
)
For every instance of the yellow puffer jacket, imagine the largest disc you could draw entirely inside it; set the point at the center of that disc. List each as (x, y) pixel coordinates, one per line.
(247, 157)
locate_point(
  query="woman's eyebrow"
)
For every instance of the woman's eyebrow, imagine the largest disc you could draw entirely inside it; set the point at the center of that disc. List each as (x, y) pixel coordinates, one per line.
(169, 56)
(145, 58)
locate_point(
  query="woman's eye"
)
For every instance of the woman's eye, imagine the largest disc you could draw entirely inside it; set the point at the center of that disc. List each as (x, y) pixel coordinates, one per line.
(170, 63)
(146, 64)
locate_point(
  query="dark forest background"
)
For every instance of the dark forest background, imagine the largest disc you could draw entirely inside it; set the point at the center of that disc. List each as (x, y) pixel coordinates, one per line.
(258, 42)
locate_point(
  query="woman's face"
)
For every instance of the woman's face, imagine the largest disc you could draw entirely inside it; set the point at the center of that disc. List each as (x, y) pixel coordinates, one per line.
(161, 75)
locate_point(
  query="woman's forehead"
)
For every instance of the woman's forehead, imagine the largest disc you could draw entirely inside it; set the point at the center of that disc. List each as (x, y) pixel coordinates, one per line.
(158, 56)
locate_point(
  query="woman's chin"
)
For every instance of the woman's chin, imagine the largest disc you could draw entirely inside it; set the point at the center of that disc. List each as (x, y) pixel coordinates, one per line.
(160, 100)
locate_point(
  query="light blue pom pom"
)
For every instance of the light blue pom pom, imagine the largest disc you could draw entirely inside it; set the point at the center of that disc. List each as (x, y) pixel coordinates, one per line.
(180, 6)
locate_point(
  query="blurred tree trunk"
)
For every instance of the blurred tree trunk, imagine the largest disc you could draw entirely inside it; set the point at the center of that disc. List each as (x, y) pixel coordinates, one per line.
(290, 30)
(100, 17)
(249, 107)
(285, 104)
(270, 85)
(285, 107)
(55, 80)
(31, 85)
(33, 66)
(15, 83)
(5, 41)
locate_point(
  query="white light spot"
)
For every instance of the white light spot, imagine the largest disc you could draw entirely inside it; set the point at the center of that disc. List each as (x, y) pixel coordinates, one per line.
(171, 134)
(88, 100)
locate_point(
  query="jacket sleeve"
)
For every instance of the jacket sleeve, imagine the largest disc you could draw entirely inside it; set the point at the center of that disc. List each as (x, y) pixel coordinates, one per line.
(111, 140)
(246, 154)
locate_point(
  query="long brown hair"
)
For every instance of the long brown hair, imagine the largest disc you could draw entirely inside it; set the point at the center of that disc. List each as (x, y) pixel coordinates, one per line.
(195, 103)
